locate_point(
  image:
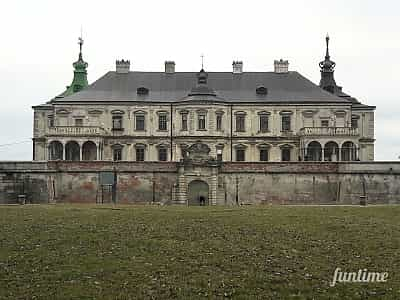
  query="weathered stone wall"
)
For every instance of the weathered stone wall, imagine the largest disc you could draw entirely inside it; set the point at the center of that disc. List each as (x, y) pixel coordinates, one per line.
(261, 183)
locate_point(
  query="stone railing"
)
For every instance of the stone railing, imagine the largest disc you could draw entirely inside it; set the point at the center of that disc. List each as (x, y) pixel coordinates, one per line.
(328, 131)
(75, 130)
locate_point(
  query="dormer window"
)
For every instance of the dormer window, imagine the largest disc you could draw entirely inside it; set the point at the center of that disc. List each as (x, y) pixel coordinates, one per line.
(142, 91)
(261, 90)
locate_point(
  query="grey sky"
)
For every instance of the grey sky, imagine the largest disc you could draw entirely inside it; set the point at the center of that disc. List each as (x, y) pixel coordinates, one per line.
(39, 44)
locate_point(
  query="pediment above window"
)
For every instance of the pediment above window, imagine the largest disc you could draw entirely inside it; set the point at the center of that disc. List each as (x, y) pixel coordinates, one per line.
(117, 112)
(63, 111)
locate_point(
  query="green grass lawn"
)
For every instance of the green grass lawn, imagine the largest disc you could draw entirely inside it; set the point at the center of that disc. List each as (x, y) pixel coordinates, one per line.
(138, 252)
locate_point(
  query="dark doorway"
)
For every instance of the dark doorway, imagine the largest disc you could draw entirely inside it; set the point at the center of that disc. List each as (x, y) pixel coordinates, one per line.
(198, 193)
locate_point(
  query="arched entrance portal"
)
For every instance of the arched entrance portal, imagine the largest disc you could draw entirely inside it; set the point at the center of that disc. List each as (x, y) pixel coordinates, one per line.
(198, 193)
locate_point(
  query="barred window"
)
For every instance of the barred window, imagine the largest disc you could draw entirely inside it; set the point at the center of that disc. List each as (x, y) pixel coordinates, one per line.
(139, 154)
(263, 123)
(162, 122)
(140, 119)
(240, 123)
(162, 154)
(286, 123)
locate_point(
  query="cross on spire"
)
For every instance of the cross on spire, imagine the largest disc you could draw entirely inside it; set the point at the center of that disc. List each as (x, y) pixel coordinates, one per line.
(202, 61)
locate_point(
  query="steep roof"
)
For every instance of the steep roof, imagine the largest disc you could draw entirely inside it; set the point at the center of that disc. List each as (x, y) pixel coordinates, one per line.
(289, 87)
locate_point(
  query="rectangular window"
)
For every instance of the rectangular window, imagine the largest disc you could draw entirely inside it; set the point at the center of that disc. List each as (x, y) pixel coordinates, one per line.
(354, 123)
(263, 154)
(240, 120)
(202, 122)
(162, 154)
(162, 122)
(117, 122)
(139, 154)
(117, 154)
(219, 122)
(263, 123)
(324, 123)
(285, 123)
(285, 154)
(50, 121)
(139, 122)
(79, 122)
(184, 126)
(240, 155)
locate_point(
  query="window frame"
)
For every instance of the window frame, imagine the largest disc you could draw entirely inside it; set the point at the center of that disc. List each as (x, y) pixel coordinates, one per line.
(286, 123)
(140, 117)
(140, 154)
(162, 122)
(240, 126)
(266, 152)
(115, 119)
(162, 151)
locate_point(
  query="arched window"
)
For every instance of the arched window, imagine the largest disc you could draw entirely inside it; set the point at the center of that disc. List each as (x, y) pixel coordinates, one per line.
(314, 151)
(331, 151)
(89, 151)
(349, 151)
(55, 150)
(72, 151)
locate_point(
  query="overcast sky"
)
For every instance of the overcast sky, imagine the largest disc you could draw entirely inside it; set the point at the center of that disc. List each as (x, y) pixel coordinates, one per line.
(39, 44)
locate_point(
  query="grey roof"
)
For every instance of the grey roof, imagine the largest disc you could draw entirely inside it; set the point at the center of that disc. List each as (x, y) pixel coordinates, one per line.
(282, 88)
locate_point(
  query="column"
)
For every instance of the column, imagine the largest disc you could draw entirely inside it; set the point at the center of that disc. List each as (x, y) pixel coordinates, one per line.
(63, 144)
(182, 189)
(80, 152)
(323, 153)
(213, 186)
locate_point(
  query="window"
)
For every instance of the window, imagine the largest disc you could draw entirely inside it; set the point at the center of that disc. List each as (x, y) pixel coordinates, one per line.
(162, 122)
(184, 125)
(263, 123)
(202, 122)
(140, 154)
(162, 154)
(117, 123)
(263, 154)
(285, 123)
(354, 122)
(286, 154)
(240, 123)
(50, 121)
(219, 154)
(140, 122)
(79, 122)
(117, 154)
(219, 122)
(324, 123)
(240, 155)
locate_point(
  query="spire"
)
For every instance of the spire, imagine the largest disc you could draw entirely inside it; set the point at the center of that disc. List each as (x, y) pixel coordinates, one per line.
(327, 69)
(79, 81)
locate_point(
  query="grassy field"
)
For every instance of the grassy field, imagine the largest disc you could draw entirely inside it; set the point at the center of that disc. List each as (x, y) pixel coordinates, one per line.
(137, 252)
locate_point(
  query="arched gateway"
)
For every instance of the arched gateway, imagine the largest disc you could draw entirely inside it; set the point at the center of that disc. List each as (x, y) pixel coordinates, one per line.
(198, 193)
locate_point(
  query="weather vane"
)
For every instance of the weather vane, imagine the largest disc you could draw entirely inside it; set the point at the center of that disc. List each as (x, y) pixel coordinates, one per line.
(202, 61)
(80, 40)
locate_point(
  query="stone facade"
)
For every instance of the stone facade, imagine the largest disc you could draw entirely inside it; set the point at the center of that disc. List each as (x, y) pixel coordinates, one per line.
(225, 183)
(242, 116)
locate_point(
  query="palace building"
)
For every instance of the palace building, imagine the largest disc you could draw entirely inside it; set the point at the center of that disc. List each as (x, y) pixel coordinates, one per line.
(238, 116)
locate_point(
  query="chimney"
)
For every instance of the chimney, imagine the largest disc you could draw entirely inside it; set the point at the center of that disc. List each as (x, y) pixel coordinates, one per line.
(122, 66)
(169, 67)
(281, 66)
(237, 67)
